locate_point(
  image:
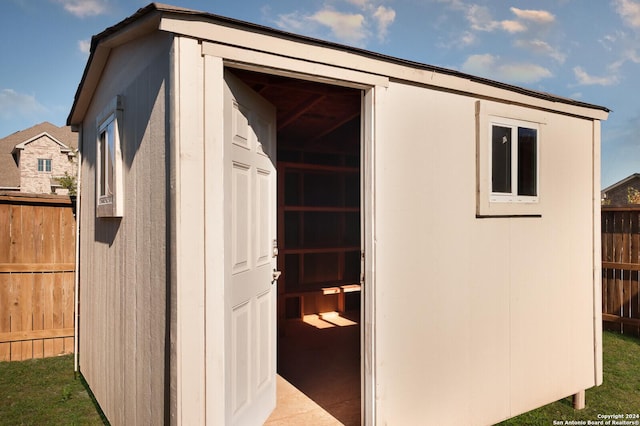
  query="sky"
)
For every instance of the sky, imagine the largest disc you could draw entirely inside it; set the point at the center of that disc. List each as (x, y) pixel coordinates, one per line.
(585, 50)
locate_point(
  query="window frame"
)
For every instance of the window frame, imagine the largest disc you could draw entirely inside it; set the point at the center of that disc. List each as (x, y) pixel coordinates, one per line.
(514, 196)
(108, 176)
(494, 204)
(46, 165)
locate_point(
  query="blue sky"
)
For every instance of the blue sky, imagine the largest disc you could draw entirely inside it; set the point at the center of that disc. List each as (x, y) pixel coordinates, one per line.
(588, 51)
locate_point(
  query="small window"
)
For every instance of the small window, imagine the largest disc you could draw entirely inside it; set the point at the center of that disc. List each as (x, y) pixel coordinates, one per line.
(508, 153)
(44, 165)
(514, 162)
(109, 162)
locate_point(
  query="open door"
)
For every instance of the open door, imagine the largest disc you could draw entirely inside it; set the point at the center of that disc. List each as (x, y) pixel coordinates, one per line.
(250, 250)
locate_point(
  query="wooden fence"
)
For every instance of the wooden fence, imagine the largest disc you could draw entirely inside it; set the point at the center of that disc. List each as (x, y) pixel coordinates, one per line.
(37, 263)
(621, 269)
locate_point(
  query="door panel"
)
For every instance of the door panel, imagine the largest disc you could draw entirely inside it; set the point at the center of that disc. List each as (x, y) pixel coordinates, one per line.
(249, 293)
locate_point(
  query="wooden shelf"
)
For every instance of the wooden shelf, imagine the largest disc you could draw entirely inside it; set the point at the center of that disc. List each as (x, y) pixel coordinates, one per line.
(319, 234)
(308, 250)
(321, 209)
(306, 167)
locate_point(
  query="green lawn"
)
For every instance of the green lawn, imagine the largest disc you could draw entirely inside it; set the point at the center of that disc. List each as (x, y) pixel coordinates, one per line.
(618, 394)
(45, 392)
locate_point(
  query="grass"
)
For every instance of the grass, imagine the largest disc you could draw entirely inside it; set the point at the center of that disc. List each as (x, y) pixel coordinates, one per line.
(618, 394)
(45, 392)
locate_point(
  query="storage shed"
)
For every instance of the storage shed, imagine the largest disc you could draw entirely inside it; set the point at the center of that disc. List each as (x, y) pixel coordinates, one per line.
(235, 177)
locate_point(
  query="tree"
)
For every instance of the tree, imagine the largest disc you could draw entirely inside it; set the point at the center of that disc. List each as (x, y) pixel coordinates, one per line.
(69, 182)
(633, 195)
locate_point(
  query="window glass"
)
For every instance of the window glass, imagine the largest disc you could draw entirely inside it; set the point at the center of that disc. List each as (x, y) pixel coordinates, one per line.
(527, 162)
(501, 159)
(107, 160)
(44, 165)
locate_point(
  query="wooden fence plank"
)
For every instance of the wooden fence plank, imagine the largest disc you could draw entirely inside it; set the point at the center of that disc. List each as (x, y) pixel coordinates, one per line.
(5, 319)
(37, 315)
(26, 312)
(68, 318)
(47, 312)
(36, 267)
(15, 250)
(20, 336)
(5, 233)
(58, 344)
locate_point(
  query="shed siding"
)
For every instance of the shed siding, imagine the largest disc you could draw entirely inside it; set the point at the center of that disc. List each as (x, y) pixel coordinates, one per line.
(493, 309)
(123, 268)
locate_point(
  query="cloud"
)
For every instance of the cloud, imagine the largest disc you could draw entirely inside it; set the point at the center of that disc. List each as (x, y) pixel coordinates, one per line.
(541, 47)
(352, 27)
(585, 79)
(14, 104)
(537, 16)
(84, 46)
(83, 8)
(493, 67)
(384, 17)
(348, 27)
(480, 18)
(512, 26)
(629, 11)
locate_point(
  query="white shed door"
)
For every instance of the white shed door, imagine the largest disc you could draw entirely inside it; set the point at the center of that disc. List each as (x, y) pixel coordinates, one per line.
(250, 290)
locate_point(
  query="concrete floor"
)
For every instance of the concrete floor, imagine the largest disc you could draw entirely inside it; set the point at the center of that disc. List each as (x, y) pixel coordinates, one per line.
(319, 369)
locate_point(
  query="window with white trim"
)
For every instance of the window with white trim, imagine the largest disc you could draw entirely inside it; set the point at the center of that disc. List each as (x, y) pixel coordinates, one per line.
(44, 165)
(514, 161)
(509, 142)
(109, 161)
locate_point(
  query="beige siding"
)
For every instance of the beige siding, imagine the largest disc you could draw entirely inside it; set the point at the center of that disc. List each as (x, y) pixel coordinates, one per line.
(475, 317)
(123, 272)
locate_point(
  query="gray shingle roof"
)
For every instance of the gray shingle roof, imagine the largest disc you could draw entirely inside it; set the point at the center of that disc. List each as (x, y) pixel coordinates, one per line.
(9, 171)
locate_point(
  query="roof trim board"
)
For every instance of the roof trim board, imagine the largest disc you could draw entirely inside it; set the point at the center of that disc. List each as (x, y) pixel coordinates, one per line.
(22, 145)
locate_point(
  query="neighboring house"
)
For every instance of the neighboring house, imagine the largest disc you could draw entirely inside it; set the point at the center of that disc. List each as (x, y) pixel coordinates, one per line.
(442, 195)
(622, 193)
(31, 160)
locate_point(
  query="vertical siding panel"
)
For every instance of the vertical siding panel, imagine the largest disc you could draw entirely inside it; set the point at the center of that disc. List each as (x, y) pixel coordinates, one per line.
(157, 261)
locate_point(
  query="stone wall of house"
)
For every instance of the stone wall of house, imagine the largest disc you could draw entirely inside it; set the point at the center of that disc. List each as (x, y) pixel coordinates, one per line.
(31, 180)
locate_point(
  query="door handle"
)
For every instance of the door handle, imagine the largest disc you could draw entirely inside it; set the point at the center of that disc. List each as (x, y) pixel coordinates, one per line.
(276, 275)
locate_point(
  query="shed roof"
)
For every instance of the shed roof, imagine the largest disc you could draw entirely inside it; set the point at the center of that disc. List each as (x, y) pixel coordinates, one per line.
(9, 170)
(149, 18)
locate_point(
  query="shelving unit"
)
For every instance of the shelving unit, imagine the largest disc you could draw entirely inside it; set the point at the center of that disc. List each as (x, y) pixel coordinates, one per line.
(319, 231)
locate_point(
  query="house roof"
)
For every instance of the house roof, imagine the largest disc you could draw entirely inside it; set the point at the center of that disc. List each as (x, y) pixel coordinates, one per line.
(9, 170)
(149, 18)
(621, 182)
